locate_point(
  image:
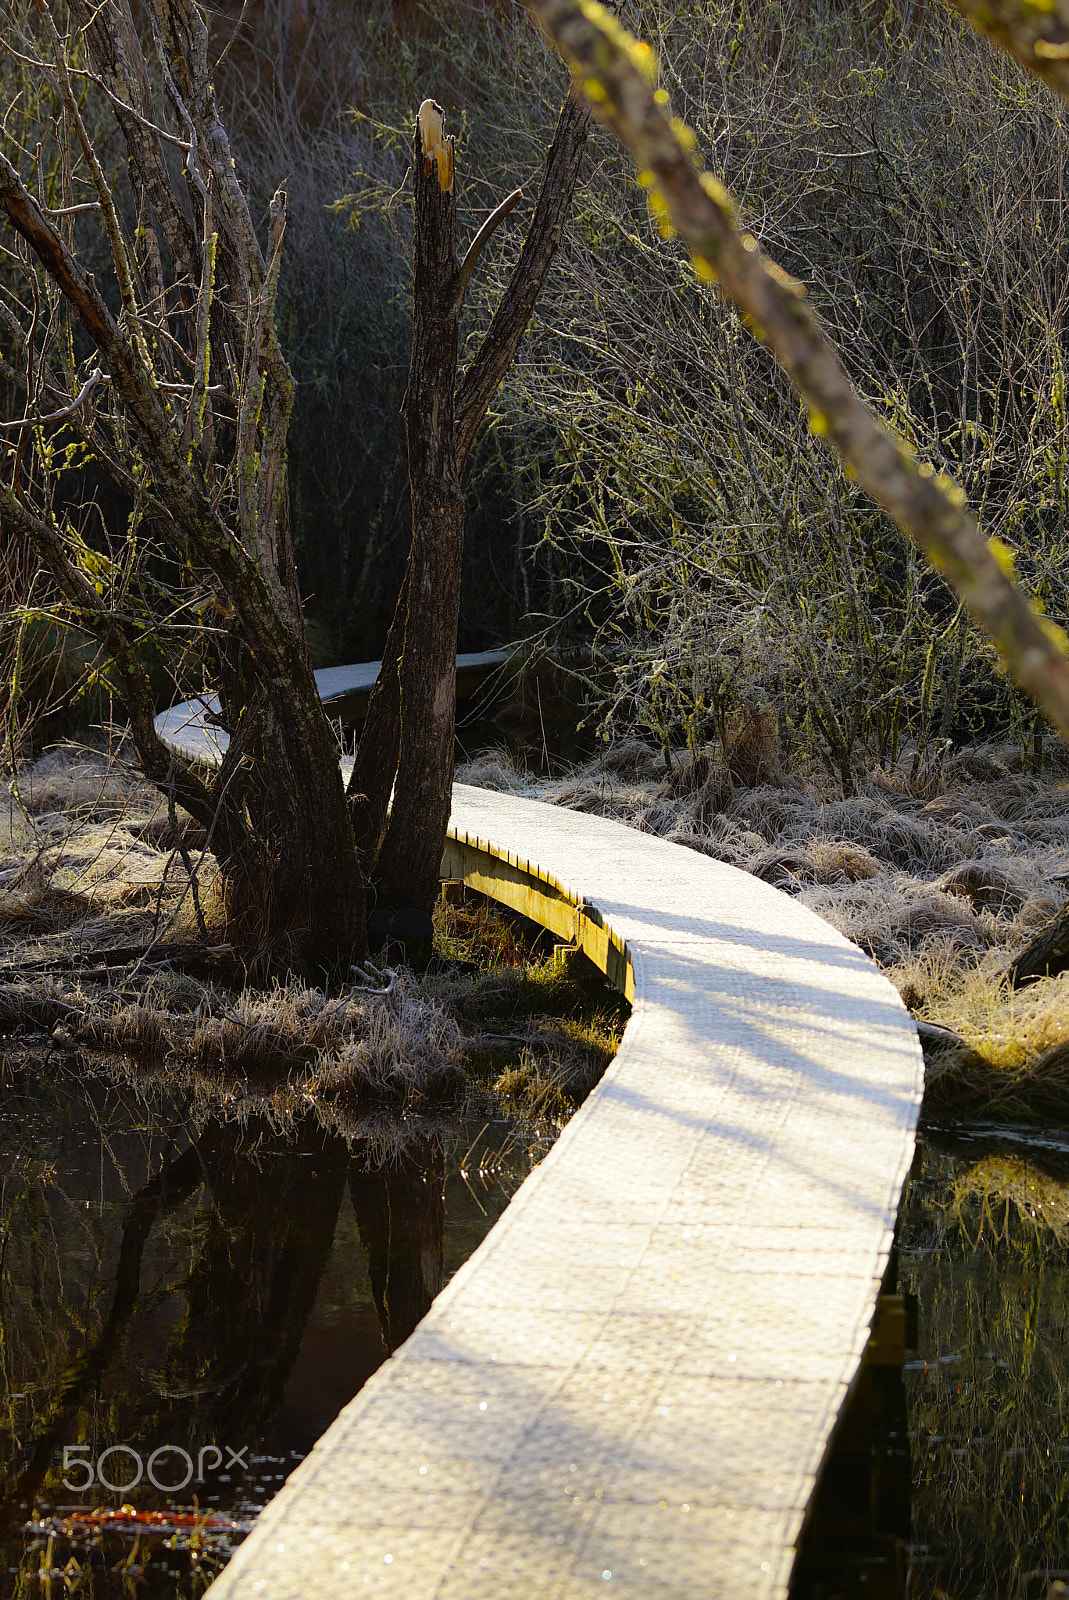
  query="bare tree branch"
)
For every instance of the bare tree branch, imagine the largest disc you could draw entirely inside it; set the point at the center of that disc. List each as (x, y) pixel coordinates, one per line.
(95, 377)
(507, 326)
(478, 244)
(116, 53)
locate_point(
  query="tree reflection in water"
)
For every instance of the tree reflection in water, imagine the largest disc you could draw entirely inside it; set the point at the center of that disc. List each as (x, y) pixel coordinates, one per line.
(176, 1279)
(171, 1277)
(949, 1477)
(400, 1211)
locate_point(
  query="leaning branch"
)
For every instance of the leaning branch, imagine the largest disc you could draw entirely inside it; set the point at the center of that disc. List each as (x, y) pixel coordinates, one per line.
(95, 377)
(478, 244)
(617, 74)
(507, 326)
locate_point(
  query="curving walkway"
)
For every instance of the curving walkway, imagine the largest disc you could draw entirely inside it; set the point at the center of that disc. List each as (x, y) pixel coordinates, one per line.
(630, 1385)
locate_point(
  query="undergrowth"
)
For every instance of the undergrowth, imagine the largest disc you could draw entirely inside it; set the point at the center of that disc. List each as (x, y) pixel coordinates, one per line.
(941, 876)
(102, 953)
(549, 1023)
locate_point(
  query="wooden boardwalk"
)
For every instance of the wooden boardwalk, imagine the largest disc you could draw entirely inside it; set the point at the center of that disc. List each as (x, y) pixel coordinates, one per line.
(630, 1386)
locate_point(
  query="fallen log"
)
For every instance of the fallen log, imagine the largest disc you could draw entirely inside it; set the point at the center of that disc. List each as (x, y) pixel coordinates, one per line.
(1046, 956)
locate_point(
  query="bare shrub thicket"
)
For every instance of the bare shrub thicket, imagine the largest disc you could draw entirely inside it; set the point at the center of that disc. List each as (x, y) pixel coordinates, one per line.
(651, 480)
(912, 178)
(651, 475)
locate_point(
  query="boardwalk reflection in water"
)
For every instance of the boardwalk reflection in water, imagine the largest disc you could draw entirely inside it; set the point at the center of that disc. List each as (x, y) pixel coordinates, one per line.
(172, 1282)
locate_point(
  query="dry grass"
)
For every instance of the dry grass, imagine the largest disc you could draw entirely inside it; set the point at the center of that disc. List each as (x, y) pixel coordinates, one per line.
(94, 904)
(99, 953)
(1010, 1028)
(909, 876)
(398, 1045)
(554, 1075)
(941, 881)
(86, 846)
(402, 1047)
(941, 888)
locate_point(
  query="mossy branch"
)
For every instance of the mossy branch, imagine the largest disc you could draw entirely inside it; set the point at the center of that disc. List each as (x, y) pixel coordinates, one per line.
(1036, 35)
(95, 615)
(618, 74)
(198, 401)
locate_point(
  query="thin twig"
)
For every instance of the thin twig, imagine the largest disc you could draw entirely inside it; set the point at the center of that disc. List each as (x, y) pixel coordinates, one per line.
(94, 378)
(70, 211)
(214, 389)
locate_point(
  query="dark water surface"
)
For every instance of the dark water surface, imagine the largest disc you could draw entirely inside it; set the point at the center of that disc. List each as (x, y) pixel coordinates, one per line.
(949, 1478)
(182, 1291)
(182, 1294)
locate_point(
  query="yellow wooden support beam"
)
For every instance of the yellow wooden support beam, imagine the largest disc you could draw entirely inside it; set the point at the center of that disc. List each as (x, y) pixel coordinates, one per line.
(893, 1331)
(521, 886)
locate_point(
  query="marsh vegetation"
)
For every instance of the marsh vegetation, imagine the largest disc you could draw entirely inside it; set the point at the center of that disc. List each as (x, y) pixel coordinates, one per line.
(771, 671)
(947, 1479)
(941, 877)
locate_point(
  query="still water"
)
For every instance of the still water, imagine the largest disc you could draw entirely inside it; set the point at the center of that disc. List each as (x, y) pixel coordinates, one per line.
(188, 1298)
(949, 1476)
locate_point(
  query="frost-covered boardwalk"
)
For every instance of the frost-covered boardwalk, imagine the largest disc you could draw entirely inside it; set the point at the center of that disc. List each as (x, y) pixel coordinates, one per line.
(629, 1387)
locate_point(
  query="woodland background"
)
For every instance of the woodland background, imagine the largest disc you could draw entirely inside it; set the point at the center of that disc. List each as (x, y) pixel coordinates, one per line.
(649, 485)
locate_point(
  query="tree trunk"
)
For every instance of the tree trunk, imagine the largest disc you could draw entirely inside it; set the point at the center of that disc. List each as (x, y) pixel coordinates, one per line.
(411, 853)
(294, 893)
(409, 728)
(400, 1215)
(293, 889)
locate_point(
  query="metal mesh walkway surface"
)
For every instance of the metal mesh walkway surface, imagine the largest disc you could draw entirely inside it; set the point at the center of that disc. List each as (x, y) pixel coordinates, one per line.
(629, 1387)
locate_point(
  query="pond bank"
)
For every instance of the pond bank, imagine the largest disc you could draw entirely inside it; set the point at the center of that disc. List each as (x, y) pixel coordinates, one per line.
(182, 1282)
(100, 954)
